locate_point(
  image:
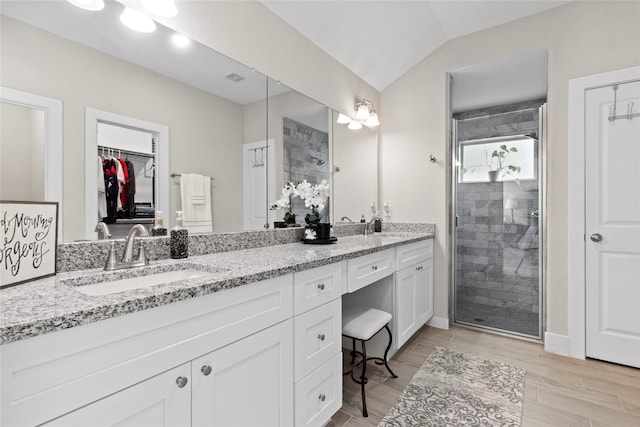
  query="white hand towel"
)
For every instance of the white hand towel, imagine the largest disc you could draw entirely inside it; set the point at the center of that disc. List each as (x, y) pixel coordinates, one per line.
(195, 196)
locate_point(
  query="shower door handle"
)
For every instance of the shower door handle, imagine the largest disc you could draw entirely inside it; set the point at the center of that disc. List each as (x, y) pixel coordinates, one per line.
(596, 237)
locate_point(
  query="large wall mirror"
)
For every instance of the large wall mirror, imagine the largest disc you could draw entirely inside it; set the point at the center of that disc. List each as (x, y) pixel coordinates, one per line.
(223, 120)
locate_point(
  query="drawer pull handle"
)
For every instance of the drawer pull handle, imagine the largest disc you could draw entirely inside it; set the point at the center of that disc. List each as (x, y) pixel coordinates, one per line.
(321, 337)
(374, 267)
(181, 381)
(321, 286)
(206, 370)
(322, 397)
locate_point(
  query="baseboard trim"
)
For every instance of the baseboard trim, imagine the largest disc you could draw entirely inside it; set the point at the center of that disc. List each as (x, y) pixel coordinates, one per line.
(439, 322)
(558, 344)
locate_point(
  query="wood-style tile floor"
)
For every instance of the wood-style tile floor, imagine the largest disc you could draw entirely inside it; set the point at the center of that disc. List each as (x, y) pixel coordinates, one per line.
(559, 391)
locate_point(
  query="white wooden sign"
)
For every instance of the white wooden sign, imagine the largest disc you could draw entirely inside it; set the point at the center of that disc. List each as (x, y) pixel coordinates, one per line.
(29, 237)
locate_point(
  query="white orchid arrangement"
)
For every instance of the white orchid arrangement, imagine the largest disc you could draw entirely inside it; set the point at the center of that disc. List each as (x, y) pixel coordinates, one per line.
(314, 197)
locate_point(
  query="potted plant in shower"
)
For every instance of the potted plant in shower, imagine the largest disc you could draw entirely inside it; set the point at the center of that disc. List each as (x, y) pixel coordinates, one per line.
(497, 162)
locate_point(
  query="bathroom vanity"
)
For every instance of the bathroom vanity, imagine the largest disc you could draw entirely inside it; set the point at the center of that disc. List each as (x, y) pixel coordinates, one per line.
(252, 337)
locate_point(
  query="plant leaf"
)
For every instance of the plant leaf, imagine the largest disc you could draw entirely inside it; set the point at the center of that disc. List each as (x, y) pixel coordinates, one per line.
(514, 149)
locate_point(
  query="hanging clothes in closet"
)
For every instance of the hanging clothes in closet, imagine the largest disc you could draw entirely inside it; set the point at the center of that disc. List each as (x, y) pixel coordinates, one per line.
(111, 189)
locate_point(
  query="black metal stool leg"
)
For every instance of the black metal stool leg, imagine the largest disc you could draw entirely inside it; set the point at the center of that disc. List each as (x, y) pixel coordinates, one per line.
(363, 379)
(353, 350)
(387, 352)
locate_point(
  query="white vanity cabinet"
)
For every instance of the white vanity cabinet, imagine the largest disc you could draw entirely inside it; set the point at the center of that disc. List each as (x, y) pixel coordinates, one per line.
(318, 343)
(158, 401)
(247, 383)
(413, 289)
(133, 361)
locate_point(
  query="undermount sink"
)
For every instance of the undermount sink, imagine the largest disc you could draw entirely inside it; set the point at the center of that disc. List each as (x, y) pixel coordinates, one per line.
(111, 283)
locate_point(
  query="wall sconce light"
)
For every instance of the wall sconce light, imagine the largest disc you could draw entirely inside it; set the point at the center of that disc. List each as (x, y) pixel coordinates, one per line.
(343, 119)
(365, 115)
(354, 125)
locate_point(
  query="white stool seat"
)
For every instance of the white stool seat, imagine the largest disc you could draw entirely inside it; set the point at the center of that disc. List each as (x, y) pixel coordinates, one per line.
(363, 323)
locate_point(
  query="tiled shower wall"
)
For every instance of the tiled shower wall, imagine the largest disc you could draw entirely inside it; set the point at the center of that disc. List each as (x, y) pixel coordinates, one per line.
(497, 254)
(497, 248)
(306, 156)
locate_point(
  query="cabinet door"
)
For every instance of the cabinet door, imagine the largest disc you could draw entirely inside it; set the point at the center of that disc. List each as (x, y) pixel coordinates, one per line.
(424, 291)
(247, 383)
(163, 400)
(405, 315)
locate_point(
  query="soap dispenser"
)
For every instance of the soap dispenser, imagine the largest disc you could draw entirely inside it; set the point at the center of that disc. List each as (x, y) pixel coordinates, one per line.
(159, 229)
(179, 239)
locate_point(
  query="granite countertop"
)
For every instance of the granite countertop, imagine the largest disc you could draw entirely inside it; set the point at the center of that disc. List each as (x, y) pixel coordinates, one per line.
(53, 303)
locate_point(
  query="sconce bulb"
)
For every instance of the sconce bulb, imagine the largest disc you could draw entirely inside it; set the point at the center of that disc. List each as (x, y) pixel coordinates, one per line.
(363, 112)
(137, 21)
(343, 119)
(93, 5)
(354, 125)
(162, 8)
(372, 120)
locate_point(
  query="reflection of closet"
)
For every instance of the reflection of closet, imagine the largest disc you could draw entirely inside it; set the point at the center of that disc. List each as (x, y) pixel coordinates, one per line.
(126, 178)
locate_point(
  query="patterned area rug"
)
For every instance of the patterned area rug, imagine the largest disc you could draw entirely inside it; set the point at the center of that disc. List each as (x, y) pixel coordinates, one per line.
(457, 389)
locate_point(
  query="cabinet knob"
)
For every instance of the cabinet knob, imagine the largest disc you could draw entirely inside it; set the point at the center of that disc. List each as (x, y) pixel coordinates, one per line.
(322, 397)
(206, 370)
(596, 237)
(321, 337)
(374, 267)
(181, 381)
(418, 268)
(321, 286)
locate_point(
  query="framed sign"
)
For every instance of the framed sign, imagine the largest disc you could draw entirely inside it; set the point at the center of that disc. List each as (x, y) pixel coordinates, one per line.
(29, 238)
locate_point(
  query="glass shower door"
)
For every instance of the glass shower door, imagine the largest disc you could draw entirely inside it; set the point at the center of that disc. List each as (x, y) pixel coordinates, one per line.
(497, 233)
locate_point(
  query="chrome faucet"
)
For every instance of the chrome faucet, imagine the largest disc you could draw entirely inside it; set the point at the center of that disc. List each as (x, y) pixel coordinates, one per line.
(102, 228)
(347, 218)
(127, 257)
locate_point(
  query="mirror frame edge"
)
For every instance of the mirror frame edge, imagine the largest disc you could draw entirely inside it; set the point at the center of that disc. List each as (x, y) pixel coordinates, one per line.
(53, 158)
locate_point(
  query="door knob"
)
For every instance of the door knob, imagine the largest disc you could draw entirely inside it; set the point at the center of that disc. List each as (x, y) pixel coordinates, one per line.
(596, 237)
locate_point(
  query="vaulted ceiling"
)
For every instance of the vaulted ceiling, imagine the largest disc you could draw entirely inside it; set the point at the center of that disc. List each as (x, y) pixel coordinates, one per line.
(380, 40)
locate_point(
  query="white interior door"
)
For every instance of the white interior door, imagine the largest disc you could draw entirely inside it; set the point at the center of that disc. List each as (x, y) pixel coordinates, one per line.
(612, 222)
(258, 159)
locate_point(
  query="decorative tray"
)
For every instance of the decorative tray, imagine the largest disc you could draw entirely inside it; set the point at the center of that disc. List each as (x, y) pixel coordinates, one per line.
(320, 241)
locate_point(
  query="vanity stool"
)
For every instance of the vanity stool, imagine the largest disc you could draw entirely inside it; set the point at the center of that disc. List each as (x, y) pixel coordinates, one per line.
(362, 324)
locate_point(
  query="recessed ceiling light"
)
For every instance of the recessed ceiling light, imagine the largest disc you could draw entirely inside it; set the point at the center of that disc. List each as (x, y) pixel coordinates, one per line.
(88, 4)
(235, 77)
(180, 40)
(137, 21)
(163, 8)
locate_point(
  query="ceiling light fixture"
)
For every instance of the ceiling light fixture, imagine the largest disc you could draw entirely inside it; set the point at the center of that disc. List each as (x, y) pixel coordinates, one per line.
(162, 8)
(343, 119)
(180, 40)
(137, 21)
(93, 5)
(362, 109)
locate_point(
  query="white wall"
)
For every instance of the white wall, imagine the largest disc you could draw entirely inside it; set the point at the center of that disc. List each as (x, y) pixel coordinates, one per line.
(251, 34)
(205, 131)
(582, 38)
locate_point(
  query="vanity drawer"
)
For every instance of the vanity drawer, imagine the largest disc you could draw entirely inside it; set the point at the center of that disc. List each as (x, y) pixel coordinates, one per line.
(413, 253)
(317, 337)
(367, 269)
(319, 395)
(318, 286)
